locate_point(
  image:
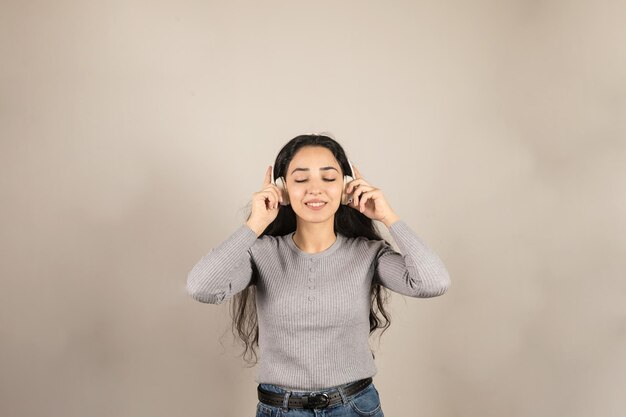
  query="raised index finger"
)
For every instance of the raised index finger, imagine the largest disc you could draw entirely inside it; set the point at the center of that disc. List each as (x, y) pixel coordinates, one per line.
(268, 176)
(356, 171)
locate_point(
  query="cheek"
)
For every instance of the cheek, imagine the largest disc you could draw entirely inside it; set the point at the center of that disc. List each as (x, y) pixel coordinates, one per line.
(295, 191)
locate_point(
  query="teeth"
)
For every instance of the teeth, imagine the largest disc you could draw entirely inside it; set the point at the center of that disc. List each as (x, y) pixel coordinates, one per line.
(315, 204)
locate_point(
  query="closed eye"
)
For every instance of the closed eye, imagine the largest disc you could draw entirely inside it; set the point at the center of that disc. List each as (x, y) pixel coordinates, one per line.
(324, 180)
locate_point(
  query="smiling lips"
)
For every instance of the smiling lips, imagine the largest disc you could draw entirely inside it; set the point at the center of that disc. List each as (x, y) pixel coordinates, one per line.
(315, 204)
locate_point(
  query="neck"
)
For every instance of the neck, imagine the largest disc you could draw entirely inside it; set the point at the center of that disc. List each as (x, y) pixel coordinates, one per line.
(314, 237)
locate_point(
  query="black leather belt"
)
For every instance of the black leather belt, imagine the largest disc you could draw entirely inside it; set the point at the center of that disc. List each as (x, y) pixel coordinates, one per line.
(317, 400)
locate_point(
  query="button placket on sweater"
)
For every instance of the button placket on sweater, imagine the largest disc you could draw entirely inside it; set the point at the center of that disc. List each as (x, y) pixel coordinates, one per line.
(311, 281)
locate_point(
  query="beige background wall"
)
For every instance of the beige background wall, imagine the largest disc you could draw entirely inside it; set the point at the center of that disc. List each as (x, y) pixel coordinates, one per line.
(133, 135)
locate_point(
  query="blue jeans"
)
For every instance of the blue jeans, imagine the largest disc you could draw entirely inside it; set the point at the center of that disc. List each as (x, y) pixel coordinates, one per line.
(365, 403)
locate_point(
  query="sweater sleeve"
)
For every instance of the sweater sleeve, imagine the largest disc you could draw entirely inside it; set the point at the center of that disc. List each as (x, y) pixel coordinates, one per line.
(417, 271)
(225, 270)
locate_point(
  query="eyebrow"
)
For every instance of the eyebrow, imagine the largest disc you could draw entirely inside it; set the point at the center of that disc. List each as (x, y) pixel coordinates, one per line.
(308, 169)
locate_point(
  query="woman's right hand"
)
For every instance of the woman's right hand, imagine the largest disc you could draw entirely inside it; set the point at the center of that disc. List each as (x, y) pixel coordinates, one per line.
(265, 204)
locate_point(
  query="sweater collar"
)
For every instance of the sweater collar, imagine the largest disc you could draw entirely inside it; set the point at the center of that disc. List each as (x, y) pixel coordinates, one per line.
(329, 250)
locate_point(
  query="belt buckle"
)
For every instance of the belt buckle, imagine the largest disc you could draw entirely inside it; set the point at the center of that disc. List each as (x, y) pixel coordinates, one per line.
(316, 404)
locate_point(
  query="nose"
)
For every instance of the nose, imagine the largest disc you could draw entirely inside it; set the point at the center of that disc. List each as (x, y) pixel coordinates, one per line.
(315, 188)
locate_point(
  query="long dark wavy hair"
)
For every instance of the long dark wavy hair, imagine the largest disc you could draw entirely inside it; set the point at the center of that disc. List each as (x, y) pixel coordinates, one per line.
(348, 221)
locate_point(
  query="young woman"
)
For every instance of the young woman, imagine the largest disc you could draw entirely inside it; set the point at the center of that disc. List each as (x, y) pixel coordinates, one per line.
(310, 265)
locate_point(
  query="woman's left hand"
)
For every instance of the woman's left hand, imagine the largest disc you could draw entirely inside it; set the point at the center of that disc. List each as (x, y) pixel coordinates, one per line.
(369, 200)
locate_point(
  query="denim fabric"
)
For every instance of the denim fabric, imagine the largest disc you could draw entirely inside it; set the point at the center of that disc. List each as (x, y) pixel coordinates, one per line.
(365, 403)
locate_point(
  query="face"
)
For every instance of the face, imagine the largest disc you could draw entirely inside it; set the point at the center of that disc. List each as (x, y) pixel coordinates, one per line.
(314, 173)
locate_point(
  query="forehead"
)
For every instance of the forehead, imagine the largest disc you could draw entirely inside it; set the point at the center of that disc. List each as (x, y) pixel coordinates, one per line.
(313, 158)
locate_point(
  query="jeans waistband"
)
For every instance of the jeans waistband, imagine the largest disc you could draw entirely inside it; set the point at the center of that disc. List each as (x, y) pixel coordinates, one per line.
(277, 396)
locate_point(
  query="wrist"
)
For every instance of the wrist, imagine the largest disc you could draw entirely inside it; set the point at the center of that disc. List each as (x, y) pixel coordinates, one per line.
(390, 219)
(255, 228)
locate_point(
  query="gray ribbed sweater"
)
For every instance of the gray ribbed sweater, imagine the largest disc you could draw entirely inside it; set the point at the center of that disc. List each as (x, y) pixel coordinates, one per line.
(313, 308)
